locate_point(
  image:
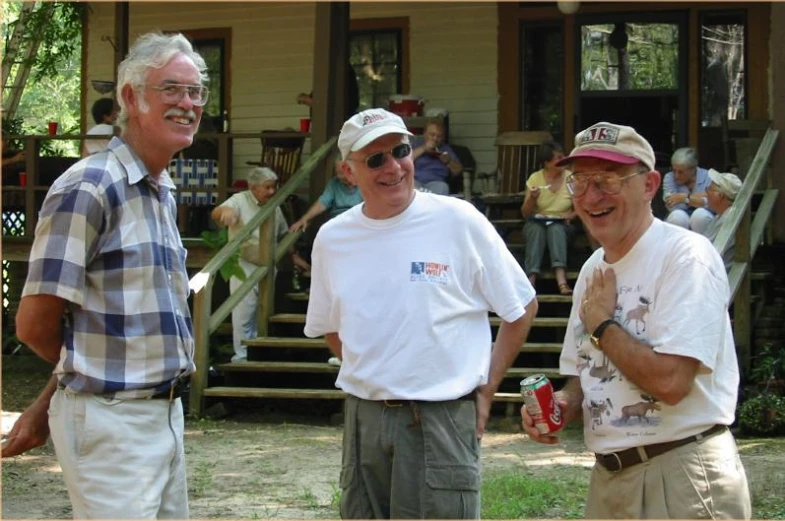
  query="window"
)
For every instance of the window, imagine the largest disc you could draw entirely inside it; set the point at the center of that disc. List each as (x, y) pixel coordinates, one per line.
(215, 47)
(378, 54)
(630, 56)
(723, 77)
(542, 95)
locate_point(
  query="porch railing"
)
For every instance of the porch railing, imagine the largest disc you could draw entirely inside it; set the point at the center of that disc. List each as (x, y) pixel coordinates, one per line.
(204, 320)
(749, 235)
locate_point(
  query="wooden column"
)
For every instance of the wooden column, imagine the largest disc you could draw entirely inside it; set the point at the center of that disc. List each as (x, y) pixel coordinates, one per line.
(330, 59)
(121, 10)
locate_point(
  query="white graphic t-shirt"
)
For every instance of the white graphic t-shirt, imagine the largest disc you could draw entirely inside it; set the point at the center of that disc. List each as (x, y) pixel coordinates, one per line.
(672, 294)
(409, 297)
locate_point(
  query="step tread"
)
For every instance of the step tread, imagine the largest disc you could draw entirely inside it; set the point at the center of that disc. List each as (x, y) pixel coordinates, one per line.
(319, 343)
(541, 297)
(299, 318)
(324, 367)
(323, 394)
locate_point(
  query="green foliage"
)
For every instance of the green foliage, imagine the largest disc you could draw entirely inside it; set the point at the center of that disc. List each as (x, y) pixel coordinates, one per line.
(769, 364)
(216, 240)
(517, 495)
(762, 414)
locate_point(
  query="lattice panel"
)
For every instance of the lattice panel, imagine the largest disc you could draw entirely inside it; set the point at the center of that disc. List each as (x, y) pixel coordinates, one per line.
(13, 222)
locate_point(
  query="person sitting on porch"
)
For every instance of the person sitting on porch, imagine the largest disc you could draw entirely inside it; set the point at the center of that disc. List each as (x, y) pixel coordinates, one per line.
(104, 114)
(547, 208)
(339, 195)
(234, 213)
(434, 160)
(721, 193)
(684, 191)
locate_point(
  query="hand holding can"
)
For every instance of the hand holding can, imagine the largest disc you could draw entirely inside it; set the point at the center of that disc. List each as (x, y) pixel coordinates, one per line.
(537, 394)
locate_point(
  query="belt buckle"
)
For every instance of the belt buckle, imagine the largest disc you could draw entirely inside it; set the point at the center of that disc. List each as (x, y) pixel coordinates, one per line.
(618, 462)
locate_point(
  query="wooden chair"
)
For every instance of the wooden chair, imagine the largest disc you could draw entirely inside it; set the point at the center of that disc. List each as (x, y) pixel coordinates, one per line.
(281, 152)
(518, 158)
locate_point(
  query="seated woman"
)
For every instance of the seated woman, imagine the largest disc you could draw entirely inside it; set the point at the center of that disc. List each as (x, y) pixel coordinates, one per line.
(548, 211)
(684, 192)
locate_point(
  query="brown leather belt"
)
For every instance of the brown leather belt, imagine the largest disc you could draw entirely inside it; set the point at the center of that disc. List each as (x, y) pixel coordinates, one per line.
(171, 394)
(616, 461)
(400, 403)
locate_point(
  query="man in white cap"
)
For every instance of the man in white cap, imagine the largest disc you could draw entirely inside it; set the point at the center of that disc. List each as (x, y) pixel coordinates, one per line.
(721, 193)
(649, 351)
(401, 289)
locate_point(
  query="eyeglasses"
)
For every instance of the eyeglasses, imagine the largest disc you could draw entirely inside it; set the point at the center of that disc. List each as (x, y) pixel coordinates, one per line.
(607, 182)
(172, 93)
(376, 160)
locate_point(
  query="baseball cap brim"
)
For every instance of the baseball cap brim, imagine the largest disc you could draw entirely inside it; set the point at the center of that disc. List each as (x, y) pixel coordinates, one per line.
(715, 176)
(376, 134)
(614, 157)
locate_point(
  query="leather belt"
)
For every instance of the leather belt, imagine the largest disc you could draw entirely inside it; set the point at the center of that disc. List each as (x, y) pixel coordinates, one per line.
(171, 394)
(400, 403)
(616, 461)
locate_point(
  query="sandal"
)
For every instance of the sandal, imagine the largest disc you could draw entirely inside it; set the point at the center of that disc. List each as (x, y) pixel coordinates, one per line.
(564, 289)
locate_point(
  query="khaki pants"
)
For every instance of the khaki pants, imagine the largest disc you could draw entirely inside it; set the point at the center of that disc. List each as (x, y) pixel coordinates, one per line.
(701, 480)
(410, 461)
(121, 459)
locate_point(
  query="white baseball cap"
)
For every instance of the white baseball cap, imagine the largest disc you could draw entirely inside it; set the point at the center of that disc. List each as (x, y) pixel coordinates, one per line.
(728, 184)
(612, 142)
(367, 126)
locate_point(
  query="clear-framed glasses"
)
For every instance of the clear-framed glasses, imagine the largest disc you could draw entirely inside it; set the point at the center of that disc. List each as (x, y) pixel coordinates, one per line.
(607, 182)
(172, 93)
(376, 160)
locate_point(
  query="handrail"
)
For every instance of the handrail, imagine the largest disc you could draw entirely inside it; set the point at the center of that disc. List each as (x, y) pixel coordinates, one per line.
(748, 236)
(748, 187)
(205, 322)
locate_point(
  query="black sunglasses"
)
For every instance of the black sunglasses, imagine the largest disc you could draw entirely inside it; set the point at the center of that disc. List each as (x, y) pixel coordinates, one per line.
(376, 160)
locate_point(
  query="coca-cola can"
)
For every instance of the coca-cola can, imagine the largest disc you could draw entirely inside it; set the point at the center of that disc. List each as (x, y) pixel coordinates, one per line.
(537, 393)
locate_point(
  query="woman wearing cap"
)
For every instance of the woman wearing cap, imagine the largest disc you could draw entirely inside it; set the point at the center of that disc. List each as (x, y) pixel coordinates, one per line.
(548, 211)
(720, 194)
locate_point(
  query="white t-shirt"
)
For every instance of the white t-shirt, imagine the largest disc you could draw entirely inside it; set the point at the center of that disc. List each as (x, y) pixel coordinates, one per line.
(409, 297)
(673, 295)
(93, 146)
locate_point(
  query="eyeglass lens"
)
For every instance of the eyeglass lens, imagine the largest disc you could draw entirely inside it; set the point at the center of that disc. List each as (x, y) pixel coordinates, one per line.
(607, 182)
(376, 160)
(174, 93)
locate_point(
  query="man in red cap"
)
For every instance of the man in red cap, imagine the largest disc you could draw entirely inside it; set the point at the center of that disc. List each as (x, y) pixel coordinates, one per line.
(649, 351)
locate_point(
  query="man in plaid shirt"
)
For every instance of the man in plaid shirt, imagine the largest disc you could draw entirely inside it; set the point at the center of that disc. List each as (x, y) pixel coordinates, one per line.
(106, 300)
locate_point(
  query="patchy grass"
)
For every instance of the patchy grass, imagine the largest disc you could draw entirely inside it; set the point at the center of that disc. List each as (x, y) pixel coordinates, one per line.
(521, 495)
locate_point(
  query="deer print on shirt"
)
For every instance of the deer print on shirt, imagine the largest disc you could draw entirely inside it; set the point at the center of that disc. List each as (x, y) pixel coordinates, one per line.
(638, 314)
(604, 371)
(639, 410)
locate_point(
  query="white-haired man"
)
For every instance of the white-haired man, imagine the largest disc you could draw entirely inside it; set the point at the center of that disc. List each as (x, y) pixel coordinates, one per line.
(648, 353)
(235, 213)
(106, 300)
(404, 301)
(684, 192)
(721, 193)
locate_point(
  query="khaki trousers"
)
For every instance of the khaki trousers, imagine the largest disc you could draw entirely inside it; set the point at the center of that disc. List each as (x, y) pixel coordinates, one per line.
(701, 480)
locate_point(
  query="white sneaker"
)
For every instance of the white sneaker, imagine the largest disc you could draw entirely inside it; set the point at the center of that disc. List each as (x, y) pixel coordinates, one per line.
(334, 360)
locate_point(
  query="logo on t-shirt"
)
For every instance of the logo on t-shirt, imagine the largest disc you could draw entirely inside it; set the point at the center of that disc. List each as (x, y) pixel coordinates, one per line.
(429, 272)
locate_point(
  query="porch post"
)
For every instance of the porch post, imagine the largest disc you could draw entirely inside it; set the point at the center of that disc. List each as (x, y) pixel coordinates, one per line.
(330, 59)
(120, 34)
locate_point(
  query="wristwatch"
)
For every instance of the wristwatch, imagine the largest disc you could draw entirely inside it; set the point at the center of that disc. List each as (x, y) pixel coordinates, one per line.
(595, 337)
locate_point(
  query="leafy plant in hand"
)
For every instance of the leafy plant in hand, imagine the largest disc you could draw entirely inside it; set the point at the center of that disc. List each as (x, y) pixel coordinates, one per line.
(217, 239)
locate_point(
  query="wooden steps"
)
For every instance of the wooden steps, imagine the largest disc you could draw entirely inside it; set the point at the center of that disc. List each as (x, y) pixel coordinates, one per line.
(299, 318)
(541, 298)
(309, 394)
(319, 343)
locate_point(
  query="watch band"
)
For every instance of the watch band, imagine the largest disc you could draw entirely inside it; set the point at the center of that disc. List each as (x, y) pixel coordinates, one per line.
(597, 335)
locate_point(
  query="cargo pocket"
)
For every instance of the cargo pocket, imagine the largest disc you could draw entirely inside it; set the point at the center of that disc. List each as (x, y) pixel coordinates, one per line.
(454, 492)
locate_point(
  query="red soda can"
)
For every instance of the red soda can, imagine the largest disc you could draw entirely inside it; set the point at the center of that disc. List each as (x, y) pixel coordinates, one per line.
(537, 393)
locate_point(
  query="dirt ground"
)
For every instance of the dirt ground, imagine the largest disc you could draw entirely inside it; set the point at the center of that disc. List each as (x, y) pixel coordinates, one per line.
(246, 467)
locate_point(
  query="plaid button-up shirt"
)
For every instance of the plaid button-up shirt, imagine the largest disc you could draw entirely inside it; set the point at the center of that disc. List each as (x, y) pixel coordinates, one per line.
(107, 243)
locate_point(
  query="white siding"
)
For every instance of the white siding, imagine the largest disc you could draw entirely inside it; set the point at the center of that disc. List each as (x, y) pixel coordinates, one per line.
(453, 59)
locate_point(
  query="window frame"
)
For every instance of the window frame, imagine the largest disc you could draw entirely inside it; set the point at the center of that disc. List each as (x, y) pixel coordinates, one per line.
(363, 26)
